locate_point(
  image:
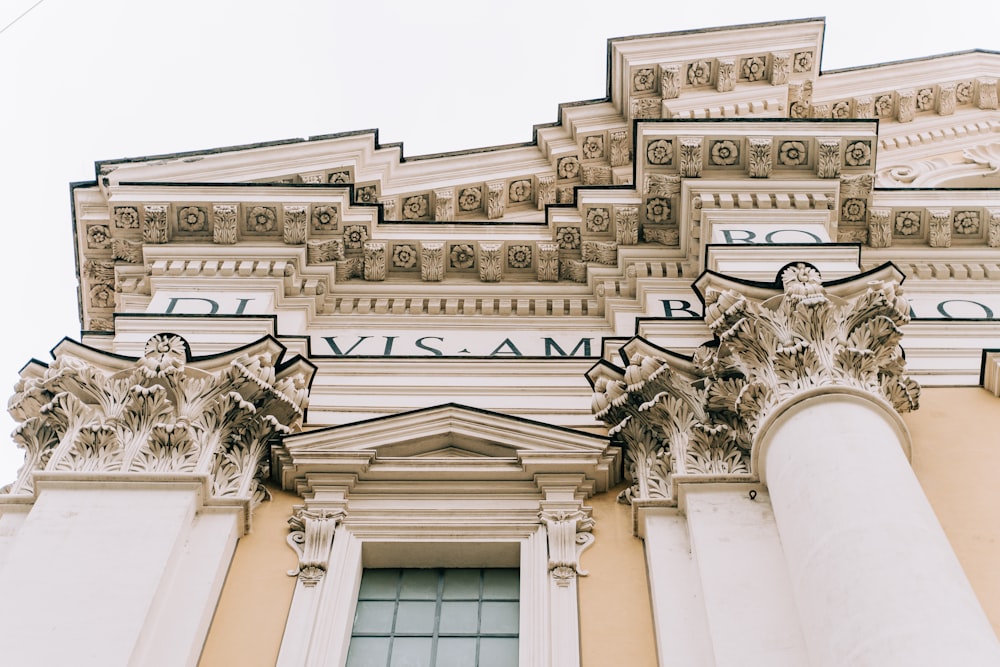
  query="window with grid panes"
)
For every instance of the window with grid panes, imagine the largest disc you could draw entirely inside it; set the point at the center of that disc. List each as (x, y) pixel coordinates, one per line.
(436, 618)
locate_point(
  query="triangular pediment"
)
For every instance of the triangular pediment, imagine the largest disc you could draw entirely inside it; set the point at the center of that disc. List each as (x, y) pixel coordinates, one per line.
(435, 442)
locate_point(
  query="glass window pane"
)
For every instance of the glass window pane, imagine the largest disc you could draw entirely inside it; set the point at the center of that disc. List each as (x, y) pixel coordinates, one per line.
(378, 585)
(461, 584)
(368, 652)
(497, 652)
(374, 617)
(459, 618)
(415, 617)
(411, 652)
(501, 584)
(419, 585)
(456, 652)
(499, 618)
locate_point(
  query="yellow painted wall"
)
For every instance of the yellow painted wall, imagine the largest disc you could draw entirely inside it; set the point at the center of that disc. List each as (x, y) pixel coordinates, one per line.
(250, 618)
(956, 457)
(616, 618)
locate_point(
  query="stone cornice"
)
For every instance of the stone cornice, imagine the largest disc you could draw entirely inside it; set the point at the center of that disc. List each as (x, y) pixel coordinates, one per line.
(450, 443)
(164, 413)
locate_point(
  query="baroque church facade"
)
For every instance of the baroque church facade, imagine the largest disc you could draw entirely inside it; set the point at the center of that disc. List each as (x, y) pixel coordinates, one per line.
(702, 375)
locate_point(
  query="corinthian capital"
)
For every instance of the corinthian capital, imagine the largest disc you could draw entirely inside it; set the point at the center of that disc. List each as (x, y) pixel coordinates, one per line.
(807, 336)
(165, 412)
(697, 416)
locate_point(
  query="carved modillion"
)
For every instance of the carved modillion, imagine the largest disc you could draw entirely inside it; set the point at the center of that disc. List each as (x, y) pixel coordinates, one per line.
(432, 261)
(569, 534)
(311, 538)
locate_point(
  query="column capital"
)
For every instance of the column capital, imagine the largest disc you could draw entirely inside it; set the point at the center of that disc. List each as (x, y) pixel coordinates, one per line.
(697, 417)
(167, 412)
(805, 336)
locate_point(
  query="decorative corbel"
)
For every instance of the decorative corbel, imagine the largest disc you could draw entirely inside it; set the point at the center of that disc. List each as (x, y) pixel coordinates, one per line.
(569, 533)
(312, 538)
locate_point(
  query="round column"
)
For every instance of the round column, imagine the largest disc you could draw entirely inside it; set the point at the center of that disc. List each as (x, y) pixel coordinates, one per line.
(875, 579)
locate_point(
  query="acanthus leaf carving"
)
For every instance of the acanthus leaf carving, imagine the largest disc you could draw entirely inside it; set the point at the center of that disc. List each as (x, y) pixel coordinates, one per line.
(432, 261)
(375, 260)
(627, 225)
(670, 81)
(311, 537)
(691, 157)
(759, 160)
(162, 414)
(880, 227)
(569, 534)
(939, 227)
(548, 261)
(154, 224)
(490, 262)
(294, 230)
(225, 223)
(621, 149)
(828, 158)
(699, 417)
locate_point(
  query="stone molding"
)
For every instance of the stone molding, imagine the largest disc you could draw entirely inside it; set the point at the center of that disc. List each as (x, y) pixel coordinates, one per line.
(697, 417)
(163, 413)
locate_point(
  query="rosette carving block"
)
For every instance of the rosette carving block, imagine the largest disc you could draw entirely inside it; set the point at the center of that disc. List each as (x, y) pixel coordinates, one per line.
(166, 412)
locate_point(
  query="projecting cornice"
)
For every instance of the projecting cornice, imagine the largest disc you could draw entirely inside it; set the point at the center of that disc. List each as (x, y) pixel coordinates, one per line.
(164, 414)
(450, 444)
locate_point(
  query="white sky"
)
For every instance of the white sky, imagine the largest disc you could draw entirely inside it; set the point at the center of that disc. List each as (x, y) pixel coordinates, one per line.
(87, 81)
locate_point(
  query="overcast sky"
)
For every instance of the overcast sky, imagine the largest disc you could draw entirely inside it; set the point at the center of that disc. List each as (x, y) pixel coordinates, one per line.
(86, 81)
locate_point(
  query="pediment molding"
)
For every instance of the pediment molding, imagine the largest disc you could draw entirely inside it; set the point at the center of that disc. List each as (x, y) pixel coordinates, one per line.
(449, 443)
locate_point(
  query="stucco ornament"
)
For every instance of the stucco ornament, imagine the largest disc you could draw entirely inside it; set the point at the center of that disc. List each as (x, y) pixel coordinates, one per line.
(569, 534)
(311, 537)
(678, 416)
(165, 412)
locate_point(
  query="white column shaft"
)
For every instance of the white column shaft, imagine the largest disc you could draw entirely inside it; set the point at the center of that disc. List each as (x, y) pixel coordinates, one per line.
(874, 577)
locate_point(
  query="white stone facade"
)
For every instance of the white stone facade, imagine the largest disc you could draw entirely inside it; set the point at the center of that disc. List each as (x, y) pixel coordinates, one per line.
(708, 264)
